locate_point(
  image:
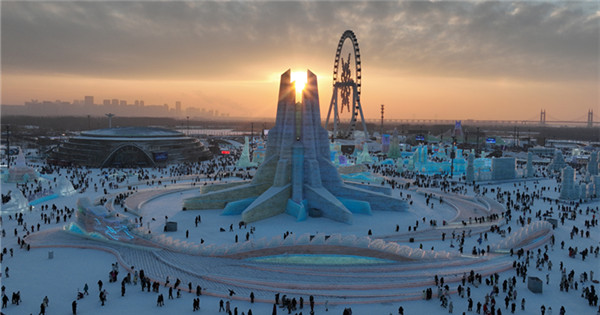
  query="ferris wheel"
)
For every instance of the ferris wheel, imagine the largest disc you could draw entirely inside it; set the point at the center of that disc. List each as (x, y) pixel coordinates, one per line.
(346, 88)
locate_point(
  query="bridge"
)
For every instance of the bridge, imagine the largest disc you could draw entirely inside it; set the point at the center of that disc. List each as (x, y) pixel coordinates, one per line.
(486, 122)
(495, 122)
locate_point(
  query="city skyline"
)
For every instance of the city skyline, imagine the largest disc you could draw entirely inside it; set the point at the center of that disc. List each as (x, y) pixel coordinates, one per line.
(88, 106)
(457, 60)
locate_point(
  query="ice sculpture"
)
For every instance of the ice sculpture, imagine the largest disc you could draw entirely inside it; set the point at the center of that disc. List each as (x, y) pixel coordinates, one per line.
(20, 172)
(592, 166)
(297, 176)
(394, 151)
(524, 235)
(244, 160)
(558, 162)
(596, 186)
(470, 168)
(17, 203)
(64, 187)
(364, 157)
(259, 153)
(529, 170)
(568, 191)
(423, 154)
(97, 222)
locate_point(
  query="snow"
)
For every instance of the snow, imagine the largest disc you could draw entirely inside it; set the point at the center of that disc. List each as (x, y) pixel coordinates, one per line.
(35, 275)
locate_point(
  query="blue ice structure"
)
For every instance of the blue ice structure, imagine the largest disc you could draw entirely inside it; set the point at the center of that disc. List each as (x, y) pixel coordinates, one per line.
(568, 189)
(96, 222)
(244, 160)
(558, 162)
(529, 169)
(297, 176)
(592, 166)
(17, 203)
(420, 163)
(504, 168)
(20, 172)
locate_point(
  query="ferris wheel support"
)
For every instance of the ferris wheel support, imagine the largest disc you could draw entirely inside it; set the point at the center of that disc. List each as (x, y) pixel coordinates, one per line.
(362, 117)
(333, 105)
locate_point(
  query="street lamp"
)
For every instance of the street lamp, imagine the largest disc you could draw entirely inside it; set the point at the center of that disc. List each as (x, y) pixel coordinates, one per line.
(188, 125)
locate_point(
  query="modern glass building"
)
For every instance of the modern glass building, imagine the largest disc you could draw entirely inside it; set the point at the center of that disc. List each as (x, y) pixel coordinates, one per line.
(129, 147)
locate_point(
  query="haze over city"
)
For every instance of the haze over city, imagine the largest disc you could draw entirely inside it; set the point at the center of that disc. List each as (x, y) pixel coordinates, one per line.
(441, 60)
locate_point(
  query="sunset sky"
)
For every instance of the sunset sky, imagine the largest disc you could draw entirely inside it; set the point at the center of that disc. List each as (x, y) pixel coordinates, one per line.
(444, 60)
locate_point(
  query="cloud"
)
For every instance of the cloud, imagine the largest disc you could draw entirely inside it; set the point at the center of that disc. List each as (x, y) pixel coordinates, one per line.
(229, 40)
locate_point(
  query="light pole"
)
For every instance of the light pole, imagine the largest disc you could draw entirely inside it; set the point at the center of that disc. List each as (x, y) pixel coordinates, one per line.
(477, 150)
(381, 128)
(110, 116)
(8, 146)
(188, 125)
(452, 155)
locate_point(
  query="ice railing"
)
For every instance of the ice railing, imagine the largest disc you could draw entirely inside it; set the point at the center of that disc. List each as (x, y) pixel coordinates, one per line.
(524, 235)
(351, 241)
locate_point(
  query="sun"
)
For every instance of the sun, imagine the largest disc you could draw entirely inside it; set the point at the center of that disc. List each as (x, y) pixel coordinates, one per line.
(300, 79)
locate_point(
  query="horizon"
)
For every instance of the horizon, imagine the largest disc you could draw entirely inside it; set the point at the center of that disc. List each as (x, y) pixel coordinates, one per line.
(423, 60)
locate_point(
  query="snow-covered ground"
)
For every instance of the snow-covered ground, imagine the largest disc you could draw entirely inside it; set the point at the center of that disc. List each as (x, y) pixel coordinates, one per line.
(35, 275)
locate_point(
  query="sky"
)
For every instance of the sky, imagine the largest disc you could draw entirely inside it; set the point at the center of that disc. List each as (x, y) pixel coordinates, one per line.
(422, 60)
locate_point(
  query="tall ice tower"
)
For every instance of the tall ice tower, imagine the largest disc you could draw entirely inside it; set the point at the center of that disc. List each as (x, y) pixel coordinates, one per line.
(297, 176)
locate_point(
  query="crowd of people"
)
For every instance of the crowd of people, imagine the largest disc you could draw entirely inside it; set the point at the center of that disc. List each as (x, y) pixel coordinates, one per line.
(522, 205)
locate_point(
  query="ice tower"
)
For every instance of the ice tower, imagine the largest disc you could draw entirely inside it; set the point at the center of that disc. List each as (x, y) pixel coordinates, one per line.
(297, 176)
(244, 160)
(592, 167)
(394, 151)
(470, 173)
(529, 169)
(568, 191)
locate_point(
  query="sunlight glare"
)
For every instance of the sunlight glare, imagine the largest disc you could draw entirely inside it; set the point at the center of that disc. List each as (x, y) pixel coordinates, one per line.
(300, 79)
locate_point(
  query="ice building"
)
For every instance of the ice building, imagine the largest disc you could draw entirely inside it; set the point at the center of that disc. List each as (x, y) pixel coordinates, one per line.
(568, 189)
(503, 168)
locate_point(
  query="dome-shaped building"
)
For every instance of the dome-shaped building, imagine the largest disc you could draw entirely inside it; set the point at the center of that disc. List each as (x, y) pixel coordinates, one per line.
(129, 147)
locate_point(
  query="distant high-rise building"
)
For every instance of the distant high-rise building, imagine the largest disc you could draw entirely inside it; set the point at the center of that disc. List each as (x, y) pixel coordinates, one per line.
(123, 103)
(115, 102)
(142, 103)
(88, 100)
(137, 103)
(106, 102)
(178, 108)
